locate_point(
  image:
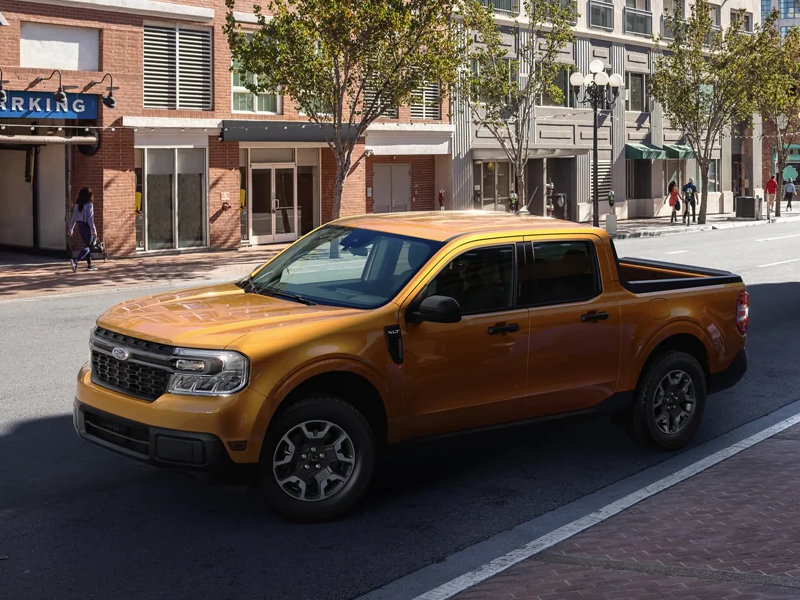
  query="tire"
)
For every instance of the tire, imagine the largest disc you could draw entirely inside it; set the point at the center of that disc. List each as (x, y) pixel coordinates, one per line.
(669, 402)
(318, 459)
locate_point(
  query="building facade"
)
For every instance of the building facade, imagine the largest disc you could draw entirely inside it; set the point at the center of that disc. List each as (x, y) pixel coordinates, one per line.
(184, 157)
(639, 152)
(187, 157)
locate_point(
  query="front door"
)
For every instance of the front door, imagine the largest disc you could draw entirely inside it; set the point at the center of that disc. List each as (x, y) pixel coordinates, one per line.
(575, 327)
(471, 373)
(392, 188)
(273, 216)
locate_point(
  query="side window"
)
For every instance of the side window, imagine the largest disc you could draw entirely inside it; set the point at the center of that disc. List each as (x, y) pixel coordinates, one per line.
(561, 272)
(481, 280)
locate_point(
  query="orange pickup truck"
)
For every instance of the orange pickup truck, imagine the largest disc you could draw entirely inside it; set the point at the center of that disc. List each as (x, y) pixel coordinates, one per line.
(381, 328)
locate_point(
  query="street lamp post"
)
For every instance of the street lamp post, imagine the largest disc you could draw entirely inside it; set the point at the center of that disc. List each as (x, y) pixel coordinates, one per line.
(600, 88)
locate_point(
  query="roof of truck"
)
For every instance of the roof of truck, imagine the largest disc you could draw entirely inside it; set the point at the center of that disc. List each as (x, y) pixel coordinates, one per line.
(443, 226)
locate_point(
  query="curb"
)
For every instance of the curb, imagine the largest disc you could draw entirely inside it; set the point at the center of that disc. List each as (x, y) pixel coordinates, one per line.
(682, 229)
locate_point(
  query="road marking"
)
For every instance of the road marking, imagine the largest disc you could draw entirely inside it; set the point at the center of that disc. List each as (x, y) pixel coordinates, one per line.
(780, 262)
(468, 580)
(676, 252)
(779, 237)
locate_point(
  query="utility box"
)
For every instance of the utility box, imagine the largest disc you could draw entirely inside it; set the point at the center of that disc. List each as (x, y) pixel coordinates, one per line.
(748, 207)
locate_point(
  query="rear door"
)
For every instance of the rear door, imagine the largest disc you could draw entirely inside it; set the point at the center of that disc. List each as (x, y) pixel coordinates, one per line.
(574, 352)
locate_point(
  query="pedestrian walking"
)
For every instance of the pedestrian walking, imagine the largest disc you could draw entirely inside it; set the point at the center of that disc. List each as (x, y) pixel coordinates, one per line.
(674, 199)
(788, 194)
(689, 198)
(83, 217)
(772, 191)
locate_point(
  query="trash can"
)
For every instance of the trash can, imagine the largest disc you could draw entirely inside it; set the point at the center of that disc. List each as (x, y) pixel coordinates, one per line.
(746, 208)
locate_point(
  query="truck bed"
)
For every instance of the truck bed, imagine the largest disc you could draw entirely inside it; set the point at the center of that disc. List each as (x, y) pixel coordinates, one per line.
(639, 275)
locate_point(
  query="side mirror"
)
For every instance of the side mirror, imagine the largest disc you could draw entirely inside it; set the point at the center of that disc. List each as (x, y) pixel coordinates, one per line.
(436, 309)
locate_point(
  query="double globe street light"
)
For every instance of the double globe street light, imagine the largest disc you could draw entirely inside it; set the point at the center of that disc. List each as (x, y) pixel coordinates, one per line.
(600, 89)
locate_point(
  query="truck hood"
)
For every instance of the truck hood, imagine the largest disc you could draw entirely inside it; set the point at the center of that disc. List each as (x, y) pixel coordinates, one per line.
(208, 317)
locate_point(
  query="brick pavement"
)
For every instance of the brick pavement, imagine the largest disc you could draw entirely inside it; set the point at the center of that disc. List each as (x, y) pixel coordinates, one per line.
(24, 276)
(732, 531)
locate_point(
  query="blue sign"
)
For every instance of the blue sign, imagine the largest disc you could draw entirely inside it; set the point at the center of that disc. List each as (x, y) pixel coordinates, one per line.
(42, 105)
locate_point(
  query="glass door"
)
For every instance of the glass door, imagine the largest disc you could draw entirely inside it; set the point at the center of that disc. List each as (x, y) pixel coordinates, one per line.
(273, 205)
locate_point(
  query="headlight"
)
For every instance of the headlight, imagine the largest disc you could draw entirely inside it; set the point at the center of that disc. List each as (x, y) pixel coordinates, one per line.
(208, 372)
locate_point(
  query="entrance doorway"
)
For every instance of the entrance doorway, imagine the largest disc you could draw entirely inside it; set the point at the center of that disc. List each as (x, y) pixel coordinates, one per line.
(392, 188)
(493, 182)
(273, 210)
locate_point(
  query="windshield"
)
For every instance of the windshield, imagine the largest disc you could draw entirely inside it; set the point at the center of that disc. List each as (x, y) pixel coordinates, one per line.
(344, 266)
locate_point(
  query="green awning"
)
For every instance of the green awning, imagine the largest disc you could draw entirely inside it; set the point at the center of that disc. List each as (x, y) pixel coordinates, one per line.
(639, 151)
(679, 151)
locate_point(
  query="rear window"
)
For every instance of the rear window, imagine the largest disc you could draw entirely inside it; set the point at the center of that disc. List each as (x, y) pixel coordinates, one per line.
(561, 272)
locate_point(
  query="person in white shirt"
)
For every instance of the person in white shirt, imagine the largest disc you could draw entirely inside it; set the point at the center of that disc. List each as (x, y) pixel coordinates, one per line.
(83, 217)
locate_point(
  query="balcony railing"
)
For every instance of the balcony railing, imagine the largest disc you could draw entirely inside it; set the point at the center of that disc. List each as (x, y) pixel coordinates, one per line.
(639, 22)
(510, 7)
(601, 14)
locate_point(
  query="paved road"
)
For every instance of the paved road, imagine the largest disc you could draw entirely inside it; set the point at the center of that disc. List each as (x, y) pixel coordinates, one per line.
(79, 522)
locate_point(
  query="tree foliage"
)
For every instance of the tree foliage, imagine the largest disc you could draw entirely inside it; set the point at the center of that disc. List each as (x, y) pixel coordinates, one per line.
(347, 62)
(501, 88)
(776, 95)
(704, 79)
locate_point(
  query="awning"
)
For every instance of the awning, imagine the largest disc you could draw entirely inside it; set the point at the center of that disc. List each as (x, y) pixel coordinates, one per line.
(643, 151)
(679, 151)
(38, 140)
(276, 131)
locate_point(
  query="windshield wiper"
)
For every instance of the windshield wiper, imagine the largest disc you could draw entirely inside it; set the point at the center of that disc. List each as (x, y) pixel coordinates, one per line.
(288, 296)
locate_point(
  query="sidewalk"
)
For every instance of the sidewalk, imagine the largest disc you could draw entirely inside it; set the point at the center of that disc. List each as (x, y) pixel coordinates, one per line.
(630, 228)
(731, 531)
(25, 276)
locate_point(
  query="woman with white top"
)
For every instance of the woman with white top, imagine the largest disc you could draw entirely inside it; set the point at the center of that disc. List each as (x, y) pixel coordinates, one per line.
(83, 217)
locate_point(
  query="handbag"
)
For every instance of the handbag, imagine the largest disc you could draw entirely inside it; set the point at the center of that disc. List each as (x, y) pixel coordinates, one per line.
(96, 245)
(677, 205)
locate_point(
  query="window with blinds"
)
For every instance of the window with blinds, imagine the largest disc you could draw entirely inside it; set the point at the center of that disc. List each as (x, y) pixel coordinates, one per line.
(603, 180)
(177, 68)
(426, 102)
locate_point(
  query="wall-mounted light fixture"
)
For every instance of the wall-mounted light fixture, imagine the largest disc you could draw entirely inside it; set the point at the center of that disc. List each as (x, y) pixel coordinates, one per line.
(59, 95)
(109, 101)
(3, 93)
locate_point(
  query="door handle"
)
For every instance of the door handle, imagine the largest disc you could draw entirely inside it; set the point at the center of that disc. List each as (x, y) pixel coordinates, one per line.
(510, 328)
(594, 316)
(274, 205)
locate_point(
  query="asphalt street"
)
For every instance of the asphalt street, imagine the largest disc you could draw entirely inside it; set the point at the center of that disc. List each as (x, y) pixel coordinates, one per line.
(77, 521)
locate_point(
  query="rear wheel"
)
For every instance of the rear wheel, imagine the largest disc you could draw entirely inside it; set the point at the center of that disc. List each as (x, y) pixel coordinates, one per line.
(670, 401)
(317, 460)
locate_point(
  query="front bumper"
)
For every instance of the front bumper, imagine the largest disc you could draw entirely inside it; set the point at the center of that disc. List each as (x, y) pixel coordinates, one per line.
(730, 376)
(162, 447)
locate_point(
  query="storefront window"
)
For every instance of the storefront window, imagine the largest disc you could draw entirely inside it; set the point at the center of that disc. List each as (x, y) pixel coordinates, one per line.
(139, 197)
(243, 199)
(494, 182)
(174, 207)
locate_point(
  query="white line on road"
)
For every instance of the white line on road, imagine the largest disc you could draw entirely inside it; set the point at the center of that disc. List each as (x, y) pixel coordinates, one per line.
(780, 262)
(676, 252)
(779, 237)
(459, 584)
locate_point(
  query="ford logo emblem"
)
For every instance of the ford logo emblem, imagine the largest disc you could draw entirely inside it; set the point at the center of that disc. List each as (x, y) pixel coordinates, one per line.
(120, 353)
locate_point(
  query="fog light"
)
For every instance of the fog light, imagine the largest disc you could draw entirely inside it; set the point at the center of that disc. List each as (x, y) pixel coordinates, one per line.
(184, 364)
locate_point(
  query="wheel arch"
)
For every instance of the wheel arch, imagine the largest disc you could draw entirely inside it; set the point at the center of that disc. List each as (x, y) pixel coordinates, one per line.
(678, 342)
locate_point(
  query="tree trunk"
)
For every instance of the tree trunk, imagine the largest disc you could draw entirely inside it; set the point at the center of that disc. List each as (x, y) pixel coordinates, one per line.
(522, 189)
(342, 167)
(701, 216)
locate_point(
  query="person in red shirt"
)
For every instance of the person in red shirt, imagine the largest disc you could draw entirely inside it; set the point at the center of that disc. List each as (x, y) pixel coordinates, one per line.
(772, 190)
(674, 199)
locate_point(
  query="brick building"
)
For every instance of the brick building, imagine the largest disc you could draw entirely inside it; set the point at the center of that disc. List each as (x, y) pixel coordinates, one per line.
(187, 157)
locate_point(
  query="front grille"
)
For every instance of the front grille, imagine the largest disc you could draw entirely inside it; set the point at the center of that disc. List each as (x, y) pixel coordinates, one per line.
(138, 380)
(118, 339)
(121, 433)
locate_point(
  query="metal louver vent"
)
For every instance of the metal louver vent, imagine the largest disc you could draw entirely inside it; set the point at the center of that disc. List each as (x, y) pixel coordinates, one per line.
(388, 112)
(194, 69)
(159, 67)
(177, 68)
(426, 103)
(603, 178)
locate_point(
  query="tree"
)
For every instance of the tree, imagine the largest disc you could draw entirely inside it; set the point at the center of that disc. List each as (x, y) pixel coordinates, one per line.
(347, 62)
(501, 88)
(703, 80)
(776, 95)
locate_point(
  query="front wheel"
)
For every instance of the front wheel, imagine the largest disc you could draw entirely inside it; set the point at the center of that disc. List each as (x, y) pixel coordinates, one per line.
(670, 400)
(317, 460)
